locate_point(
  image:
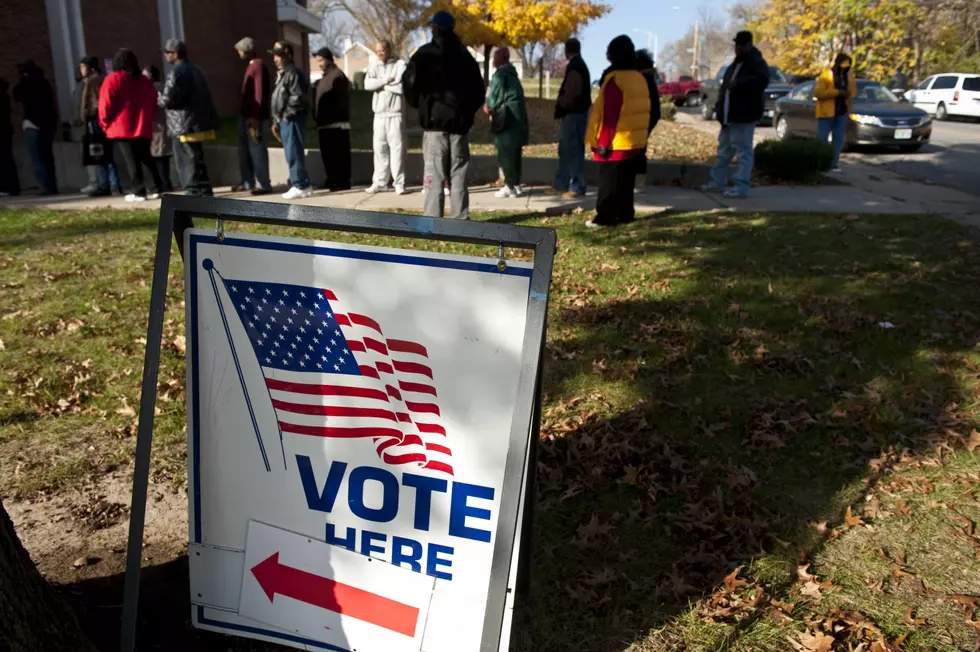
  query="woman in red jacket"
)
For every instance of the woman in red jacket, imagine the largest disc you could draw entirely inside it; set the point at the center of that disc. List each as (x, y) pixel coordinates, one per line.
(127, 102)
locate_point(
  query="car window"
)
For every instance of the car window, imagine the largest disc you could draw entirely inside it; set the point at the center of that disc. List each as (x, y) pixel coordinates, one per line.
(971, 83)
(802, 92)
(924, 85)
(944, 82)
(874, 93)
(776, 75)
(685, 78)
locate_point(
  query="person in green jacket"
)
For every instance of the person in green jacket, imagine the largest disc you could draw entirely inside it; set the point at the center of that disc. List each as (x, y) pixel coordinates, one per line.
(506, 97)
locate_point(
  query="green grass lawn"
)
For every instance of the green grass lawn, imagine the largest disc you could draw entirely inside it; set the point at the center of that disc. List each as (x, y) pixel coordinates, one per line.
(739, 451)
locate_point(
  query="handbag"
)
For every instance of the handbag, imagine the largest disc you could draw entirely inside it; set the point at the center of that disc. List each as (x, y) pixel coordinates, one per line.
(498, 117)
(96, 149)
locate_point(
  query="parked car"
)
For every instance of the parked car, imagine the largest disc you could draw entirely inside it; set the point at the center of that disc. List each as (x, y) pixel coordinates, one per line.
(685, 91)
(778, 87)
(877, 118)
(947, 95)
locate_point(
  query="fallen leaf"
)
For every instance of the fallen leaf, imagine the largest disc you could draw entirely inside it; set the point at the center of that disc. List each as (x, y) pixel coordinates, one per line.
(732, 582)
(850, 520)
(971, 444)
(180, 343)
(2, 347)
(902, 507)
(911, 621)
(127, 411)
(818, 642)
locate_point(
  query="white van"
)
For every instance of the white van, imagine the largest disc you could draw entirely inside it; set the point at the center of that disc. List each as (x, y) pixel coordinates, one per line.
(948, 94)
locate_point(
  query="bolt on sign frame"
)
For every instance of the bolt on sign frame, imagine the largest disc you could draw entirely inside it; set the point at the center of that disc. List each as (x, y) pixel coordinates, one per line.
(177, 215)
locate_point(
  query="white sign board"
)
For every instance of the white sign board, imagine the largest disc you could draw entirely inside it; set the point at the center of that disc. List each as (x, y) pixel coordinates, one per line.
(349, 417)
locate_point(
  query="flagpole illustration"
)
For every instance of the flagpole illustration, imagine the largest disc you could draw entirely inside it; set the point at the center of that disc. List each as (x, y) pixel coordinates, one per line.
(208, 265)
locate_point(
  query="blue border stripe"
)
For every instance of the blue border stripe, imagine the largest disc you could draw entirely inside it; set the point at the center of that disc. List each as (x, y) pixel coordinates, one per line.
(265, 632)
(196, 398)
(366, 255)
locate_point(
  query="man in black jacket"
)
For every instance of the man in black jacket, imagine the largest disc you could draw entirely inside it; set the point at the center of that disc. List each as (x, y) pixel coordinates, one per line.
(290, 108)
(40, 123)
(331, 111)
(572, 108)
(444, 83)
(191, 117)
(739, 109)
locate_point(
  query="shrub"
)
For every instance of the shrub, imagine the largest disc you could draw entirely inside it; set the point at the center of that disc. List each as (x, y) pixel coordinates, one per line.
(359, 79)
(793, 160)
(668, 110)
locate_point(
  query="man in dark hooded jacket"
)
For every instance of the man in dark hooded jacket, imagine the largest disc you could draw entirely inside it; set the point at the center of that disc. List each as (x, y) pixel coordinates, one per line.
(9, 181)
(40, 123)
(444, 83)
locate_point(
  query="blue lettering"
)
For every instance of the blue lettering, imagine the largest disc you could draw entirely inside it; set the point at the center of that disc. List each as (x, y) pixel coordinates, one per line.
(434, 562)
(355, 495)
(423, 496)
(346, 542)
(459, 510)
(367, 542)
(320, 501)
(412, 559)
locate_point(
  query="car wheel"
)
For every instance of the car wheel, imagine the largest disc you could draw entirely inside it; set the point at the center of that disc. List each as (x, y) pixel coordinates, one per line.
(707, 113)
(693, 99)
(782, 128)
(941, 112)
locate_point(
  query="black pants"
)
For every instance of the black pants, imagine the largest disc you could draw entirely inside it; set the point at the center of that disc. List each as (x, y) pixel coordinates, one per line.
(191, 168)
(163, 167)
(136, 154)
(616, 182)
(9, 181)
(335, 152)
(510, 161)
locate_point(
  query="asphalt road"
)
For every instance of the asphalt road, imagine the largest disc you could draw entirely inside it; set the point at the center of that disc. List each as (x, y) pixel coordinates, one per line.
(952, 158)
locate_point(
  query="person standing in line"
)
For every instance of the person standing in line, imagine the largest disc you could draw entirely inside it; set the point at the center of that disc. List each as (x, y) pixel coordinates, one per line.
(384, 79)
(79, 127)
(161, 145)
(127, 103)
(106, 175)
(644, 63)
(572, 109)
(739, 109)
(331, 112)
(40, 123)
(835, 91)
(290, 109)
(253, 122)
(505, 102)
(617, 133)
(443, 81)
(9, 180)
(191, 118)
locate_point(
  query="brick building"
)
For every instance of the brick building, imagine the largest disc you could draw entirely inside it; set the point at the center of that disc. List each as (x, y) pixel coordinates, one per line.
(57, 33)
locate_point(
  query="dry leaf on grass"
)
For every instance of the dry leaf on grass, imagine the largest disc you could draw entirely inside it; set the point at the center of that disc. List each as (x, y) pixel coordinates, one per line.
(850, 519)
(912, 621)
(180, 343)
(818, 642)
(973, 441)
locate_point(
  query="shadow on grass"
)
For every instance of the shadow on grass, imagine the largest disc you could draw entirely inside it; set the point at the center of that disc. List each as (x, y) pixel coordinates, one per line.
(68, 226)
(766, 390)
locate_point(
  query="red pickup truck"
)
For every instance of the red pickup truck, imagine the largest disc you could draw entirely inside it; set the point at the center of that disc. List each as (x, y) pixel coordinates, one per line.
(685, 91)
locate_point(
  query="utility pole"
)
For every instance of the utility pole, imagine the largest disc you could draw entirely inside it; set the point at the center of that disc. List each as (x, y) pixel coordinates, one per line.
(694, 62)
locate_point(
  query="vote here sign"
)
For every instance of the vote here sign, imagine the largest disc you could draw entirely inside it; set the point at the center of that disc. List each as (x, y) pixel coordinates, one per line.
(349, 417)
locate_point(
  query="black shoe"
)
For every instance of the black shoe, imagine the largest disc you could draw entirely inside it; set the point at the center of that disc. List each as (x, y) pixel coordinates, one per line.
(338, 188)
(100, 193)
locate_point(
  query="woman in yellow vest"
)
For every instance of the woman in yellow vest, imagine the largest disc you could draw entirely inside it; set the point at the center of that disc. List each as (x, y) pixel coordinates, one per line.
(835, 91)
(617, 133)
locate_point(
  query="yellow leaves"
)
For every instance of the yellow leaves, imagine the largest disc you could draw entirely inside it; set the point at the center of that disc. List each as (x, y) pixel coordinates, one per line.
(519, 22)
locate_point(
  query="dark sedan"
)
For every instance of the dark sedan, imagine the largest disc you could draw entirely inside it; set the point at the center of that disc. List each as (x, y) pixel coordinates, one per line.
(877, 118)
(778, 87)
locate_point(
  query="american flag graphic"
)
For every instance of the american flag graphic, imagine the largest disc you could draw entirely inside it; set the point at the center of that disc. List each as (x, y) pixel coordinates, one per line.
(333, 373)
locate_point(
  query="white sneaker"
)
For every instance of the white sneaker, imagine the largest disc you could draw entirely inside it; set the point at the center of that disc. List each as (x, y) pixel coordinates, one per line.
(153, 195)
(589, 224)
(373, 189)
(518, 191)
(297, 193)
(836, 170)
(504, 193)
(400, 190)
(135, 198)
(445, 191)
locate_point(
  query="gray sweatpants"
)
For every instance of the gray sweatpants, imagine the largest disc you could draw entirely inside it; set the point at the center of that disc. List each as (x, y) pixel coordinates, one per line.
(446, 158)
(389, 150)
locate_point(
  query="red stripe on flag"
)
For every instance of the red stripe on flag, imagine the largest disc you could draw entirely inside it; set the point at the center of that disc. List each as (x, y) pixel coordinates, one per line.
(407, 458)
(429, 408)
(354, 345)
(439, 466)
(413, 368)
(361, 320)
(384, 367)
(404, 418)
(370, 371)
(439, 448)
(338, 433)
(417, 387)
(404, 346)
(325, 390)
(341, 319)
(329, 295)
(393, 393)
(334, 411)
(412, 439)
(375, 345)
(430, 428)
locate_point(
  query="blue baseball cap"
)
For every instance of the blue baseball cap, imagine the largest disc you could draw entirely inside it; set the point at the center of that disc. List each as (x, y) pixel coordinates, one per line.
(443, 19)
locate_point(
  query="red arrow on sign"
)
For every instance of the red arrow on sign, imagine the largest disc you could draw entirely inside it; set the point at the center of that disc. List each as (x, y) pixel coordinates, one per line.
(328, 594)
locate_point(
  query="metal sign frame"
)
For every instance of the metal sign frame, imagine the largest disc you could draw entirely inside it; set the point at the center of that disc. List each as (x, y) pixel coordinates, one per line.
(176, 216)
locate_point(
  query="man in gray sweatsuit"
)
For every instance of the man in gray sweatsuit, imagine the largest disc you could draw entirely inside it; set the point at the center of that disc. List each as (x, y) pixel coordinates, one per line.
(384, 79)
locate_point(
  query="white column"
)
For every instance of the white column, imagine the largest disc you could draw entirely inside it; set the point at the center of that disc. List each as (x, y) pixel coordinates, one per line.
(67, 48)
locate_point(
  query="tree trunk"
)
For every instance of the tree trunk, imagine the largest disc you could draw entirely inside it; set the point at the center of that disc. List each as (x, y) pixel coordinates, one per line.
(33, 617)
(487, 49)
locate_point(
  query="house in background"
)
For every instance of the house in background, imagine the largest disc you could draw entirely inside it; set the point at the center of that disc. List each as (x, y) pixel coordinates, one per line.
(515, 59)
(356, 58)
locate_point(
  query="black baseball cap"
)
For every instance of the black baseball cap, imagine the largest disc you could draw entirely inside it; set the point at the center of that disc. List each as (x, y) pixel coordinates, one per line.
(743, 38)
(281, 48)
(325, 53)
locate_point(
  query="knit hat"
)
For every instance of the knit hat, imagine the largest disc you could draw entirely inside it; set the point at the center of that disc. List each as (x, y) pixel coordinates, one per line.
(247, 44)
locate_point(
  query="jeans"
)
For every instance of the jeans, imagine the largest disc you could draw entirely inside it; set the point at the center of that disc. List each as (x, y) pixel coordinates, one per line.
(293, 134)
(446, 157)
(253, 155)
(735, 140)
(108, 177)
(836, 127)
(136, 153)
(191, 168)
(335, 153)
(40, 144)
(571, 153)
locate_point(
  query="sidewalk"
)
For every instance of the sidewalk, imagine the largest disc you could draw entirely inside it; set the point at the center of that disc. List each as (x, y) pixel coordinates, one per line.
(874, 191)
